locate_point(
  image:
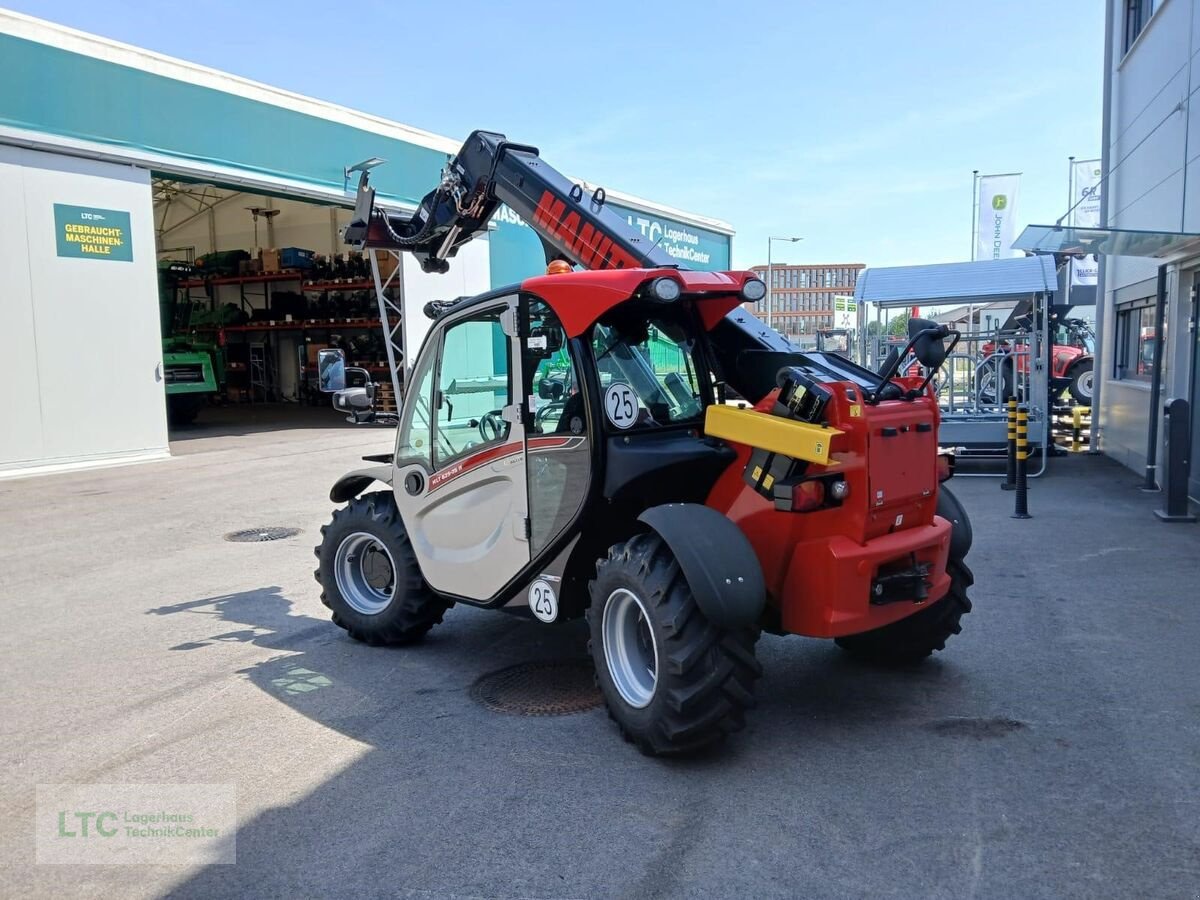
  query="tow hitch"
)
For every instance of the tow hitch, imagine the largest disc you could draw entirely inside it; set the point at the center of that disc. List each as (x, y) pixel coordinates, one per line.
(911, 584)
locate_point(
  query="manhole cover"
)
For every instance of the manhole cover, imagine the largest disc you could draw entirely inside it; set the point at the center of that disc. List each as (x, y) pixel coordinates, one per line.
(549, 688)
(256, 535)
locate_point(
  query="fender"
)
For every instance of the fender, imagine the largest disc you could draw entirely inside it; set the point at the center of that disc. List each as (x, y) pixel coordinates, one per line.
(952, 511)
(717, 560)
(354, 483)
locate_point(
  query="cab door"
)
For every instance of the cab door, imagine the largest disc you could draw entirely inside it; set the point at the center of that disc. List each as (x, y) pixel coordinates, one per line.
(460, 481)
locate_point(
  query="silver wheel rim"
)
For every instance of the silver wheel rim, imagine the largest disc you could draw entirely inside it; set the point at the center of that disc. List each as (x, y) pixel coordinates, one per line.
(1085, 384)
(630, 650)
(987, 385)
(365, 573)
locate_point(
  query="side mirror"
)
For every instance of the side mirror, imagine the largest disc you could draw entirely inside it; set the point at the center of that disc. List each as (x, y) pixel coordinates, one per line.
(929, 342)
(543, 343)
(352, 400)
(331, 370)
(549, 389)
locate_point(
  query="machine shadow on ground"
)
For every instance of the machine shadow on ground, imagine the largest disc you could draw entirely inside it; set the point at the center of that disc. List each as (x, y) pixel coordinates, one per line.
(442, 771)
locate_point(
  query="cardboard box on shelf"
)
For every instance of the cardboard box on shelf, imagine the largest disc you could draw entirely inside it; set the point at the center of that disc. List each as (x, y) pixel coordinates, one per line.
(387, 263)
(270, 261)
(250, 267)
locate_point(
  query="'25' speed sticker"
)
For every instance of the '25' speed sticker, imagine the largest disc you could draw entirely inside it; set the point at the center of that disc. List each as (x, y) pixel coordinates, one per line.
(621, 404)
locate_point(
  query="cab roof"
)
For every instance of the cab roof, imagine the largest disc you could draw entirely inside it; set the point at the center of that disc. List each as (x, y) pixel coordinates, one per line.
(579, 299)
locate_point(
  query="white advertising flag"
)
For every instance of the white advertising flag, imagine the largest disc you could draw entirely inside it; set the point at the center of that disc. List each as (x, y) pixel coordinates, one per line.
(997, 222)
(1085, 175)
(845, 312)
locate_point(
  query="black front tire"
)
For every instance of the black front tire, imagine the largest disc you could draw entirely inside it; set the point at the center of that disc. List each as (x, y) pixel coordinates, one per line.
(704, 675)
(914, 638)
(413, 607)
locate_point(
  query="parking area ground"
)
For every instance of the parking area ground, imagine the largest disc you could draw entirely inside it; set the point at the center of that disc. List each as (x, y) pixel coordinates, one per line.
(1051, 751)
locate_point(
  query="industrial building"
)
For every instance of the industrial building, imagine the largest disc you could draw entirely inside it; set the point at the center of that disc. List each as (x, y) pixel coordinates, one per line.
(800, 298)
(172, 228)
(1152, 185)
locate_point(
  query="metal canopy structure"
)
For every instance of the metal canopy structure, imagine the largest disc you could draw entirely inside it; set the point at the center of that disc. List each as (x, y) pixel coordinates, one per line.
(1164, 245)
(982, 281)
(989, 363)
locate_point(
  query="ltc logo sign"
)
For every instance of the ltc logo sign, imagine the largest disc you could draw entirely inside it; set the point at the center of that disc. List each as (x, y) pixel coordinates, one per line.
(1000, 201)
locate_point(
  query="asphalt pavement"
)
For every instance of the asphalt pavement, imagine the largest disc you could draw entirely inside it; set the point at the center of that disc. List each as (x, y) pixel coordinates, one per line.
(1051, 751)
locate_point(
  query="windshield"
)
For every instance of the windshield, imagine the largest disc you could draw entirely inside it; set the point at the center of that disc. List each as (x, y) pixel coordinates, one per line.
(647, 369)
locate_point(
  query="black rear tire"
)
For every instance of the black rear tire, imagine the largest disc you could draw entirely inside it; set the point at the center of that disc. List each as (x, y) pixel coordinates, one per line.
(1081, 385)
(993, 375)
(704, 675)
(182, 409)
(914, 638)
(413, 608)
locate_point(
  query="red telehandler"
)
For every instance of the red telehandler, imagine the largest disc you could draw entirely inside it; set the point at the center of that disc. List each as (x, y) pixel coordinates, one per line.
(564, 450)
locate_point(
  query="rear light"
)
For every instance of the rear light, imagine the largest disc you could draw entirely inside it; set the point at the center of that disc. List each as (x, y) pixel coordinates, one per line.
(664, 289)
(839, 490)
(753, 290)
(808, 495)
(945, 466)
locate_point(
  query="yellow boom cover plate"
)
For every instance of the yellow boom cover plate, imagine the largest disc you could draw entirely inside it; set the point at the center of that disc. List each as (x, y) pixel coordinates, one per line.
(799, 440)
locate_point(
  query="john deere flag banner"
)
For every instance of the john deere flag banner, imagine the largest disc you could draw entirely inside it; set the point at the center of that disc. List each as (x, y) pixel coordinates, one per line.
(997, 224)
(1085, 176)
(85, 232)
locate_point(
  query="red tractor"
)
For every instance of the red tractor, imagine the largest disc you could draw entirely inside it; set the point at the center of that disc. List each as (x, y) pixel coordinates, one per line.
(1071, 361)
(564, 451)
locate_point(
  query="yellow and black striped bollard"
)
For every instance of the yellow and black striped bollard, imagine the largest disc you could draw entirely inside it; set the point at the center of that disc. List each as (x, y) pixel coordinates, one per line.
(1021, 510)
(1010, 475)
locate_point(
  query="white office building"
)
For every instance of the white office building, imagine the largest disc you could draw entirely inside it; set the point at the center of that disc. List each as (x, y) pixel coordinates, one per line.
(1151, 162)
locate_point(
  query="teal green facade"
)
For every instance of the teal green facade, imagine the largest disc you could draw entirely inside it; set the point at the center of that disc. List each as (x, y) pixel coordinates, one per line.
(72, 95)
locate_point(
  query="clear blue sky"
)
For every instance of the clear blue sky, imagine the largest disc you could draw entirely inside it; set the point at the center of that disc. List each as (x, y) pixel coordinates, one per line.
(855, 124)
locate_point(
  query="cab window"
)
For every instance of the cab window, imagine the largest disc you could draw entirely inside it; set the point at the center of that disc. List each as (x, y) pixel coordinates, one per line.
(473, 386)
(556, 402)
(416, 430)
(558, 466)
(648, 368)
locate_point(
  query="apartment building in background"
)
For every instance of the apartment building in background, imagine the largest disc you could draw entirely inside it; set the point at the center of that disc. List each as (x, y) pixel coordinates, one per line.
(802, 295)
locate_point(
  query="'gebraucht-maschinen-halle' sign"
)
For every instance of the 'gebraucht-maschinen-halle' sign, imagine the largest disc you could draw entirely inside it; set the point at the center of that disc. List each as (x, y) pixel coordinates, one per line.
(84, 232)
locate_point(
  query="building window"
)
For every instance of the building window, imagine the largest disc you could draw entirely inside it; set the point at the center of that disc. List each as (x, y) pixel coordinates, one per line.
(1135, 340)
(1137, 14)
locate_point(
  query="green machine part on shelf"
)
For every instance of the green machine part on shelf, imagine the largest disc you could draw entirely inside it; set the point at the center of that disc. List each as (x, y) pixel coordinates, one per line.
(193, 369)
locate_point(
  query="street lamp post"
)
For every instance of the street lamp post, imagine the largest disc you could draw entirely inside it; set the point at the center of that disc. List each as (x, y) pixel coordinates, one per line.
(770, 295)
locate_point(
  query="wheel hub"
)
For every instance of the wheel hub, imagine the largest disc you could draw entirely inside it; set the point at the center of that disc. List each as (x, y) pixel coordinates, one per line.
(365, 573)
(630, 650)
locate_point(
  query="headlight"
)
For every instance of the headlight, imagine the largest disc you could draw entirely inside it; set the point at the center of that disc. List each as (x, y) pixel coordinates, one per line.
(754, 290)
(665, 289)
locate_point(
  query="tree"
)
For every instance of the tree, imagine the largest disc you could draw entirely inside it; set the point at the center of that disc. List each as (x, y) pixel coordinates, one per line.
(898, 325)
